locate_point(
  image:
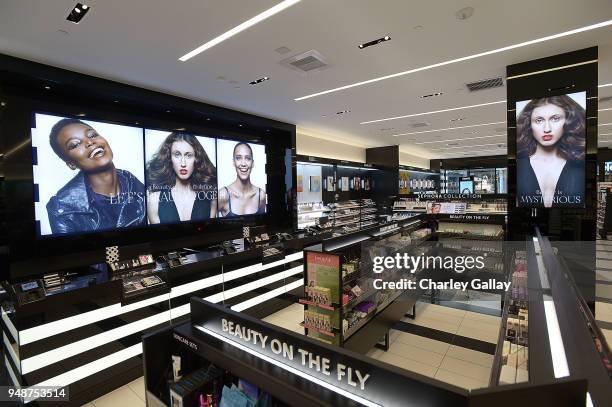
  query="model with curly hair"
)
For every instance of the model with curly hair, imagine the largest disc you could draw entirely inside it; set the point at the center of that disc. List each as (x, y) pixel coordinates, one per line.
(550, 153)
(181, 181)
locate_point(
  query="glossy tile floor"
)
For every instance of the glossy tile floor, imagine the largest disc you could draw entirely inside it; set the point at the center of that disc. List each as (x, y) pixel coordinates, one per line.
(441, 359)
(130, 395)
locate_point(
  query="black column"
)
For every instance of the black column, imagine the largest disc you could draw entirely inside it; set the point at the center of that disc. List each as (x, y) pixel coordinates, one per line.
(554, 76)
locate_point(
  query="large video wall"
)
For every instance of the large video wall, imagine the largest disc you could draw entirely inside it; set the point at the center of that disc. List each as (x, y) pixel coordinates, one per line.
(95, 176)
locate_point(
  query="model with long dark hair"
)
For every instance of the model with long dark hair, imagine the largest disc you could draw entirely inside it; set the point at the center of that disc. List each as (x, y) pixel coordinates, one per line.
(550, 152)
(181, 181)
(100, 196)
(241, 197)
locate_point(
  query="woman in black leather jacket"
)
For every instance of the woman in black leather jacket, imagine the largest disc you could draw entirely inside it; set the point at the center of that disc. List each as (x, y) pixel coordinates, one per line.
(100, 196)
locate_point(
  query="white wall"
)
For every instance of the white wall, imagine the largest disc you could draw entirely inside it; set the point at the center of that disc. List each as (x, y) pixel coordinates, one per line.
(413, 160)
(320, 147)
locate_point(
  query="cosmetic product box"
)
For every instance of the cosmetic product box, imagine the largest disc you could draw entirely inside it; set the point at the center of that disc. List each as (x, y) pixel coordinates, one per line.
(185, 392)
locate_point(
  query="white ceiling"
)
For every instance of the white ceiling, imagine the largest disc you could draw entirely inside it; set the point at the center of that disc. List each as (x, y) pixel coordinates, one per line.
(139, 42)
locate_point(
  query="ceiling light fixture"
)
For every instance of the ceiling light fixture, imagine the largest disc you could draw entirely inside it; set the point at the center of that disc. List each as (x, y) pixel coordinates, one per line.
(448, 128)
(77, 13)
(461, 139)
(375, 42)
(477, 145)
(260, 80)
(462, 59)
(433, 112)
(431, 95)
(239, 28)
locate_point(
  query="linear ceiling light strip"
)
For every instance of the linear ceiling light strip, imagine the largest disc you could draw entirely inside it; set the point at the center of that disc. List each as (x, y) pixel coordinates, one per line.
(448, 128)
(462, 59)
(239, 28)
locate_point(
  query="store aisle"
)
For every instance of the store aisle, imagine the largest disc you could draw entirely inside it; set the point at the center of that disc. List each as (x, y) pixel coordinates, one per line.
(452, 345)
(288, 318)
(603, 289)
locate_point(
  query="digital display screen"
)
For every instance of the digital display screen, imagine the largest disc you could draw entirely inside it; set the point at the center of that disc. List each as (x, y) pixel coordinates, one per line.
(181, 177)
(550, 145)
(92, 176)
(89, 175)
(241, 178)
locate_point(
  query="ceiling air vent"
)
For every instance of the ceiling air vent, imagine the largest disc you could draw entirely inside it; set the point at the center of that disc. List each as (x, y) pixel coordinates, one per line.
(485, 84)
(307, 62)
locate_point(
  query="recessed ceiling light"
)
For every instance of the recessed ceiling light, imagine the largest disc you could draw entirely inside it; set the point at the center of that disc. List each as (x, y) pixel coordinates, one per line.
(461, 139)
(448, 128)
(260, 80)
(180, 129)
(431, 95)
(239, 28)
(375, 42)
(2, 104)
(208, 119)
(433, 112)
(167, 111)
(240, 125)
(77, 13)
(462, 59)
(48, 87)
(115, 101)
(80, 114)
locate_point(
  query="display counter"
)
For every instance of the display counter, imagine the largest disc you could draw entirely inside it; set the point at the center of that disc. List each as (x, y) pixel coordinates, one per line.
(73, 334)
(289, 368)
